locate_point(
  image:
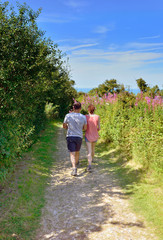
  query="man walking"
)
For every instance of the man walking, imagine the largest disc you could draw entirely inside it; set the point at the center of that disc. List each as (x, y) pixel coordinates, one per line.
(75, 123)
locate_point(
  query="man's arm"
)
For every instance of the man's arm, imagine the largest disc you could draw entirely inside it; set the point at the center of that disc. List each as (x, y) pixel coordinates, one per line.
(85, 124)
(65, 125)
(85, 127)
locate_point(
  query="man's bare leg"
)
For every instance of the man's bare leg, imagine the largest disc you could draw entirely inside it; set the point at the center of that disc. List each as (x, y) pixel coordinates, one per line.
(76, 158)
(72, 158)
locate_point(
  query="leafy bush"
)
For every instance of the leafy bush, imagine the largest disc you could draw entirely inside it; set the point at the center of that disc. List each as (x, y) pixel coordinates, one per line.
(51, 111)
(32, 73)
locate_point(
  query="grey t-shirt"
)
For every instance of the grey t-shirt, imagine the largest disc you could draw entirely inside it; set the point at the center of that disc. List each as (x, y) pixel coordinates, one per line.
(75, 123)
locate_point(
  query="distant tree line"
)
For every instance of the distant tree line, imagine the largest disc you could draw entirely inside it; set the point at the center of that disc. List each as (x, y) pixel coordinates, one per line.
(109, 86)
(112, 86)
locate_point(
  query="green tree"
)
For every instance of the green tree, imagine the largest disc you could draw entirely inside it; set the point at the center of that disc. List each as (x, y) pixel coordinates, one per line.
(31, 66)
(153, 91)
(108, 86)
(93, 91)
(142, 85)
(32, 73)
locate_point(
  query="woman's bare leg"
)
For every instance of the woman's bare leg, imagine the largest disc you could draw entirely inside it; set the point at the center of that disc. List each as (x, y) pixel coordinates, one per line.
(89, 152)
(93, 149)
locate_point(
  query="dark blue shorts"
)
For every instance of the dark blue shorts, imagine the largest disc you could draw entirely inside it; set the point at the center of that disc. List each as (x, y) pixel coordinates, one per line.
(74, 144)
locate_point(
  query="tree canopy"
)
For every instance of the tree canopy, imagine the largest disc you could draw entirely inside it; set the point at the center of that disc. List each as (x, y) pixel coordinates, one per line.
(143, 86)
(32, 69)
(32, 73)
(109, 86)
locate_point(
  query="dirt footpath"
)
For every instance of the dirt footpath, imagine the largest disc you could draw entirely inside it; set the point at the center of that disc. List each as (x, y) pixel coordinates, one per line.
(89, 206)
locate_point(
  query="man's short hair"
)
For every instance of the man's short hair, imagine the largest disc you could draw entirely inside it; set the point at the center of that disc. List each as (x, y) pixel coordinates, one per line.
(77, 105)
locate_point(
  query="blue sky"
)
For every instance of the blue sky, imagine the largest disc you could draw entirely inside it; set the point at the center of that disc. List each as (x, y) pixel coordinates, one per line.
(120, 39)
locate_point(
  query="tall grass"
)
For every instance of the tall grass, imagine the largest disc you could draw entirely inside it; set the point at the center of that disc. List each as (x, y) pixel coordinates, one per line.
(133, 123)
(24, 197)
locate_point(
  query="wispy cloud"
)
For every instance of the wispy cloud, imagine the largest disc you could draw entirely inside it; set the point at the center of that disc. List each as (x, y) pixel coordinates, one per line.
(84, 46)
(126, 57)
(64, 40)
(150, 37)
(54, 18)
(125, 63)
(74, 42)
(76, 4)
(101, 29)
(126, 67)
(70, 48)
(129, 58)
(138, 45)
(91, 74)
(136, 53)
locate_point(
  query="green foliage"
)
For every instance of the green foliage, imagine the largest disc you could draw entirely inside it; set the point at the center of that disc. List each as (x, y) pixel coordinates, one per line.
(153, 91)
(21, 207)
(142, 85)
(32, 73)
(93, 91)
(126, 99)
(81, 94)
(109, 86)
(145, 190)
(84, 112)
(51, 111)
(135, 128)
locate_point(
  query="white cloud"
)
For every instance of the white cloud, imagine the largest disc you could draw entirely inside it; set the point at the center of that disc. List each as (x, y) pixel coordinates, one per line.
(64, 40)
(90, 74)
(115, 56)
(83, 46)
(150, 37)
(101, 29)
(70, 48)
(90, 67)
(138, 45)
(76, 3)
(54, 18)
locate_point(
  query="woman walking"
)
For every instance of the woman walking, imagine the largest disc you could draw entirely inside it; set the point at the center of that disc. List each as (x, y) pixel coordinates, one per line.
(91, 135)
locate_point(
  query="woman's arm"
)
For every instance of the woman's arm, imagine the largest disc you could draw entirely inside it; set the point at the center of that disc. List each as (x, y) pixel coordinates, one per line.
(98, 126)
(85, 127)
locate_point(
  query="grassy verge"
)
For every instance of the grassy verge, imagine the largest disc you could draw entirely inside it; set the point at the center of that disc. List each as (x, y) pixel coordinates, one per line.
(145, 189)
(23, 197)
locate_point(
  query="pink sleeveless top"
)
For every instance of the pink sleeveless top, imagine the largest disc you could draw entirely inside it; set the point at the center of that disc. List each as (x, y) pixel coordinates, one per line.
(92, 124)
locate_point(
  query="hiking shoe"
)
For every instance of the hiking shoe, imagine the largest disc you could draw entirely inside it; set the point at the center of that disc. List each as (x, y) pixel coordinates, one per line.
(89, 169)
(74, 172)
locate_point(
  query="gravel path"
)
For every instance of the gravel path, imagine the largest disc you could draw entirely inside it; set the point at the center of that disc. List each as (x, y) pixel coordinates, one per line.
(89, 206)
